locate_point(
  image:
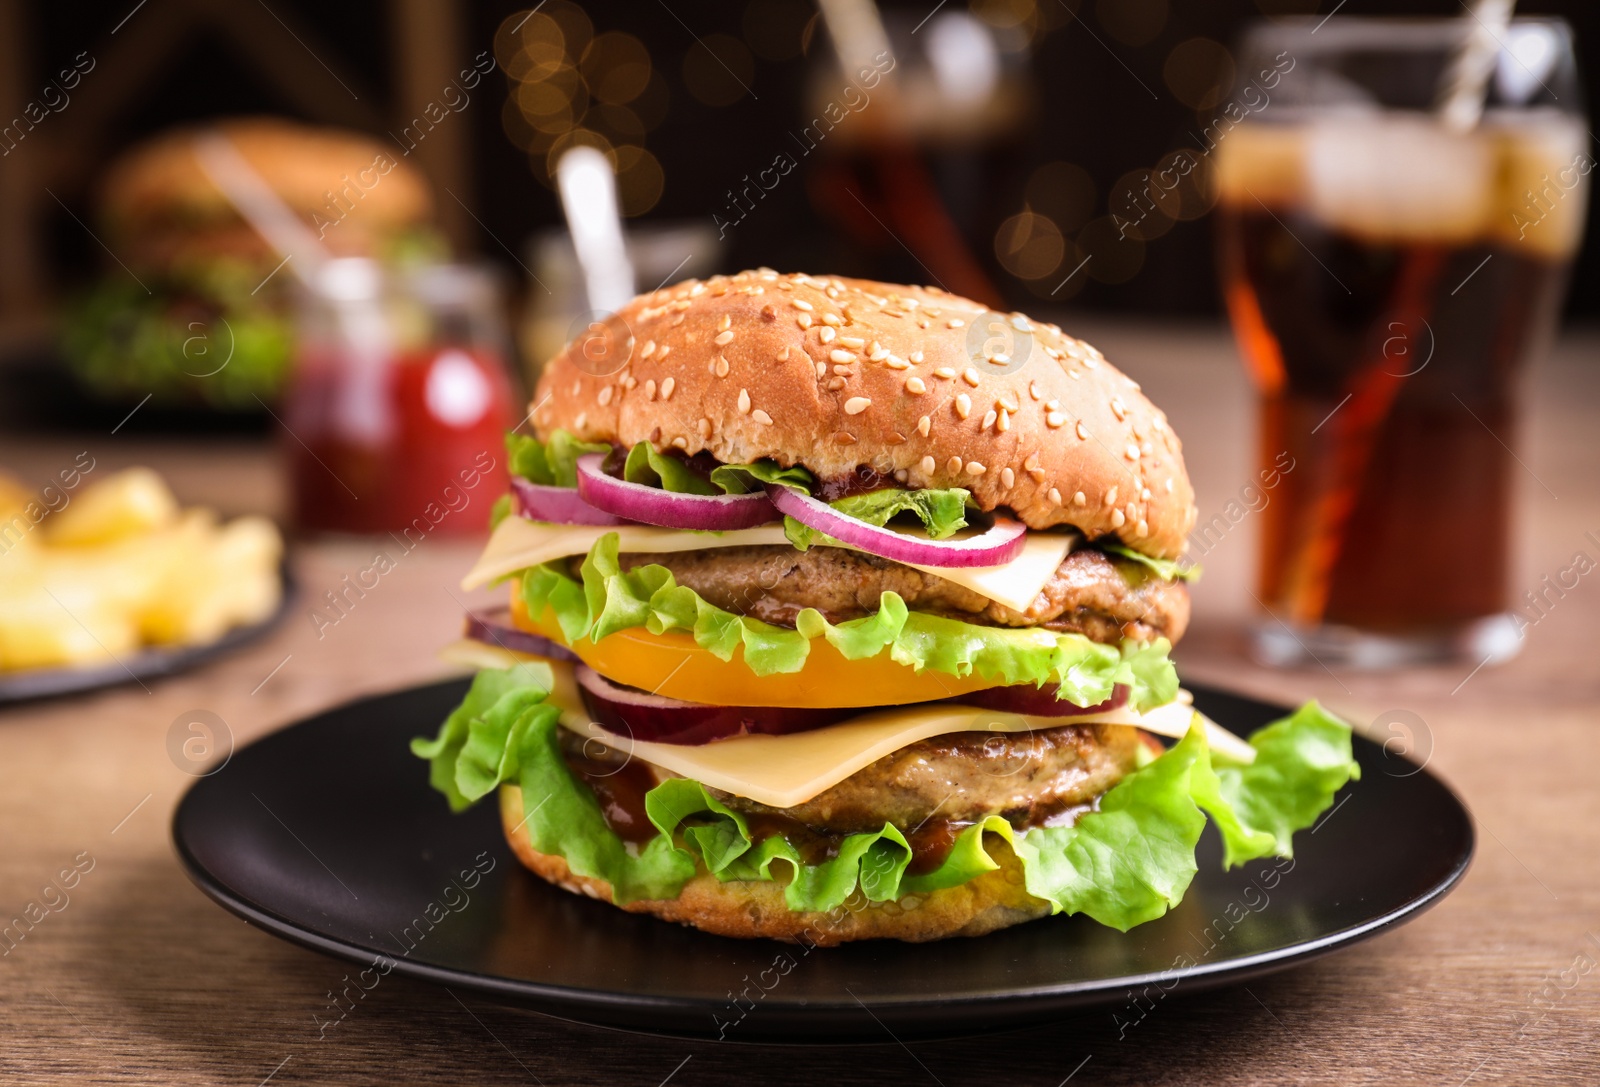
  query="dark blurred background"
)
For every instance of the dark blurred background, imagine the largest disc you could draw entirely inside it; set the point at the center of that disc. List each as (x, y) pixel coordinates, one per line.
(1106, 88)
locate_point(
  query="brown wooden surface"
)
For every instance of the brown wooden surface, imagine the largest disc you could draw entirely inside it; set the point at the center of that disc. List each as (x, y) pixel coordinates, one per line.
(140, 979)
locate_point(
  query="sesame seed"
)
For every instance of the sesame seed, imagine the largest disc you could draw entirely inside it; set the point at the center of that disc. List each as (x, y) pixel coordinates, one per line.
(975, 469)
(924, 424)
(1132, 511)
(1055, 419)
(1145, 494)
(1031, 462)
(650, 389)
(827, 334)
(1143, 529)
(999, 359)
(667, 386)
(928, 465)
(916, 386)
(1169, 484)
(1090, 361)
(705, 428)
(1079, 499)
(822, 370)
(956, 322)
(1055, 496)
(648, 349)
(783, 355)
(989, 420)
(963, 405)
(895, 362)
(953, 465)
(800, 304)
(1118, 409)
(845, 371)
(662, 351)
(577, 387)
(629, 381)
(1003, 423)
(835, 384)
(1009, 403)
(831, 319)
(856, 405)
(1132, 452)
(1037, 474)
(1117, 519)
(916, 356)
(581, 420)
(1052, 405)
(970, 376)
(1033, 389)
(723, 338)
(853, 342)
(761, 417)
(944, 372)
(1008, 478)
(877, 352)
(722, 325)
(841, 438)
(901, 475)
(1083, 431)
(1111, 497)
(744, 401)
(804, 320)
(768, 311)
(681, 443)
(841, 356)
(605, 396)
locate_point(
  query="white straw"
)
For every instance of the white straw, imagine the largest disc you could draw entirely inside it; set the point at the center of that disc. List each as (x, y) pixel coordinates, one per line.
(1466, 82)
(589, 200)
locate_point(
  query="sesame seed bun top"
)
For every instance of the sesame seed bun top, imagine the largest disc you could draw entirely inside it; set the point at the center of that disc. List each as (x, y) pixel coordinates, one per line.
(363, 188)
(912, 382)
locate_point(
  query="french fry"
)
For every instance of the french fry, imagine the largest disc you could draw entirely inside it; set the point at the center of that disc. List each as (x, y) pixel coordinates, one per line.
(131, 502)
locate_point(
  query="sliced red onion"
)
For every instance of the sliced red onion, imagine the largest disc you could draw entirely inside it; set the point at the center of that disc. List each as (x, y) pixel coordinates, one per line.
(669, 509)
(995, 547)
(640, 715)
(1039, 701)
(495, 628)
(558, 505)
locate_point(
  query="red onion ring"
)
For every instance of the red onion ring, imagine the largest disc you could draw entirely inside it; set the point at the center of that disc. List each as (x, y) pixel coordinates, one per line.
(557, 505)
(1038, 701)
(495, 628)
(995, 547)
(669, 509)
(630, 713)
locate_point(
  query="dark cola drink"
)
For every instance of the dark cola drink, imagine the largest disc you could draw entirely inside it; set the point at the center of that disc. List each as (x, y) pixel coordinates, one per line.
(1387, 279)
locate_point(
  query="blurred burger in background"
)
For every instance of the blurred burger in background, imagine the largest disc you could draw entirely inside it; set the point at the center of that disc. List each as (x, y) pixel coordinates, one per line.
(207, 321)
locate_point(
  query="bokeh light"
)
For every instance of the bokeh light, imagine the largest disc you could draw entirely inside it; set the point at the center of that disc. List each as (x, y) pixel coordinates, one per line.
(1132, 200)
(640, 179)
(1198, 72)
(718, 69)
(1029, 245)
(1063, 191)
(1132, 22)
(616, 67)
(1186, 184)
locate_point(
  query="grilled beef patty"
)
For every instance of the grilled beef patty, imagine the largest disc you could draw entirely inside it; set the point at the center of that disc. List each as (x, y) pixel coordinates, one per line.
(1091, 593)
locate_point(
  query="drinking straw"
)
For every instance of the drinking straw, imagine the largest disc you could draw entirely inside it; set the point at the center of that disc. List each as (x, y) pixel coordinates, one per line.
(589, 200)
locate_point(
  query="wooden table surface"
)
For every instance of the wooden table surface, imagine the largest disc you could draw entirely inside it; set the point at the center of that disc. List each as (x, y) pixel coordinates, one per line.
(138, 978)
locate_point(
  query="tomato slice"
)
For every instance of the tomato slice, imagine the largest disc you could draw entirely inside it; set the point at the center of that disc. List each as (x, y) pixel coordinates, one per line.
(675, 666)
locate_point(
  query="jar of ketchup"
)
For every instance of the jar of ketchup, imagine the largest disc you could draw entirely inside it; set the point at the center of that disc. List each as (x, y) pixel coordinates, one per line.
(399, 401)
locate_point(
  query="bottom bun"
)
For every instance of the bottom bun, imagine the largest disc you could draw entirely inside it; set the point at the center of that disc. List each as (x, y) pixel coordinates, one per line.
(749, 908)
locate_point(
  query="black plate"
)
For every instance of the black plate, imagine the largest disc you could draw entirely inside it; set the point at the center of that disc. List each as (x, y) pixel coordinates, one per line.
(138, 667)
(327, 834)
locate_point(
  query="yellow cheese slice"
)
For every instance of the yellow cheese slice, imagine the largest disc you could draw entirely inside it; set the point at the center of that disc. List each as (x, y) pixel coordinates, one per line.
(782, 771)
(519, 543)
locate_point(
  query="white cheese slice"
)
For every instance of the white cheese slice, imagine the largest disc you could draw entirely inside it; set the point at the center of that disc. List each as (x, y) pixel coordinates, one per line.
(519, 543)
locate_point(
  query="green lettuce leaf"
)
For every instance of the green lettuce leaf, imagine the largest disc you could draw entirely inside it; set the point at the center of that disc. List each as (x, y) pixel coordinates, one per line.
(645, 466)
(553, 463)
(941, 511)
(610, 599)
(1125, 863)
(1166, 569)
(744, 478)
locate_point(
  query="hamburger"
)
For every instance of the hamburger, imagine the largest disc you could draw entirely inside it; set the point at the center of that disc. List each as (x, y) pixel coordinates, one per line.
(842, 610)
(206, 288)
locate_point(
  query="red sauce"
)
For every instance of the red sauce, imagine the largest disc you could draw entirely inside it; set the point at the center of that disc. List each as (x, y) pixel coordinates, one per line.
(430, 459)
(931, 844)
(620, 791)
(863, 480)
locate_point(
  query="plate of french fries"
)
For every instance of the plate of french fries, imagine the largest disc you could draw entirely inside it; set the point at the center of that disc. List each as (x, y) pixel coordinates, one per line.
(115, 581)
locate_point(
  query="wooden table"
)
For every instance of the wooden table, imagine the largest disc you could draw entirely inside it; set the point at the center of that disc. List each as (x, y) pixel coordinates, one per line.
(139, 978)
